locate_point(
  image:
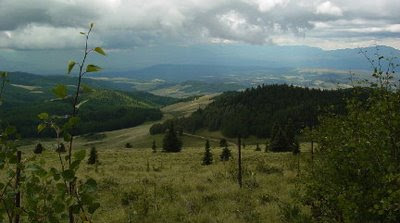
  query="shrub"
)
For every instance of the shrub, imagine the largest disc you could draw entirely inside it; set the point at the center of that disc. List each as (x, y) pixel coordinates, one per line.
(128, 145)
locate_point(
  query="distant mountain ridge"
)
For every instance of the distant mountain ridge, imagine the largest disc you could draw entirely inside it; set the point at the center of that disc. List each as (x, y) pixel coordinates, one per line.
(245, 60)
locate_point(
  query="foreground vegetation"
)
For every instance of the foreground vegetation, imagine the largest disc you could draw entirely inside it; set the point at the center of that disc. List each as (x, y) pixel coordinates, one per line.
(137, 185)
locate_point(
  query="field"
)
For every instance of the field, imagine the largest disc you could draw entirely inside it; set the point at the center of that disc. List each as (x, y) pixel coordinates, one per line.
(137, 185)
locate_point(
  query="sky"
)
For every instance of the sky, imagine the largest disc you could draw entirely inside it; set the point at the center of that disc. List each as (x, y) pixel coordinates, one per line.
(34, 31)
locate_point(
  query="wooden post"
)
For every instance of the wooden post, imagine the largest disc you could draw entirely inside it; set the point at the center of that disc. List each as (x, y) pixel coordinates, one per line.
(17, 179)
(239, 162)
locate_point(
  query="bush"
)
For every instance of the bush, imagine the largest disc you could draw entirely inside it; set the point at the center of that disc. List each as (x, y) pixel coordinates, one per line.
(128, 145)
(356, 174)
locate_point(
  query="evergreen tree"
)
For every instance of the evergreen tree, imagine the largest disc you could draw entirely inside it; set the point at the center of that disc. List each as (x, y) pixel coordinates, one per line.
(93, 159)
(258, 148)
(61, 148)
(223, 143)
(295, 147)
(38, 149)
(280, 142)
(154, 147)
(207, 159)
(171, 142)
(226, 154)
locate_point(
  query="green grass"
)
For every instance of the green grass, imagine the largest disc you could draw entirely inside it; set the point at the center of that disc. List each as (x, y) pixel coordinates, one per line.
(137, 185)
(143, 186)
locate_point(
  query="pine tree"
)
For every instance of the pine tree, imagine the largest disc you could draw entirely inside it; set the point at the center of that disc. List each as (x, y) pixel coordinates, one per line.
(207, 159)
(93, 159)
(154, 147)
(258, 148)
(295, 147)
(61, 148)
(171, 142)
(38, 149)
(223, 143)
(226, 154)
(280, 141)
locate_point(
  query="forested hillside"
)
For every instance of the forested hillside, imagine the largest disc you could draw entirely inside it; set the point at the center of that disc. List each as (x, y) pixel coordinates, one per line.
(28, 95)
(256, 110)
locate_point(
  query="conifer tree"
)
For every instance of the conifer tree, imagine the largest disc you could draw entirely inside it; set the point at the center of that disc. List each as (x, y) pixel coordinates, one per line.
(154, 147)
(93, 159)
(171, 142)
(258, 148)
(266, 146)
(223, 143)
(61, 148)
(207, 159)
(280, 141)
(38, 149)
(226, 154)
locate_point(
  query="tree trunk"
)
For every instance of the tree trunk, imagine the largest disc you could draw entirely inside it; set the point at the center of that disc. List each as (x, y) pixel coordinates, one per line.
(17, 179)
(239, 162)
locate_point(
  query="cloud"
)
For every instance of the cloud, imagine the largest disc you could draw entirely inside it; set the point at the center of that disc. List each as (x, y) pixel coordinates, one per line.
(328, 8)
(122, 24)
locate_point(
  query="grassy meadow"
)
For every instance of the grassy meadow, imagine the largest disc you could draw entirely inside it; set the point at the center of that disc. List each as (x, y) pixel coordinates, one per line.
(137, 185)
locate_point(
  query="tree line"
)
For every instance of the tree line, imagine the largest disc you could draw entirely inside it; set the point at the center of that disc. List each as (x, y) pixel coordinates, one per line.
(256, 110)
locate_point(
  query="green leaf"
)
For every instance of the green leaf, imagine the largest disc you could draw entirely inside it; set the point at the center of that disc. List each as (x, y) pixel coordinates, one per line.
(72, 122)
(90, 185)
(67, 137)
(81, 103)
(91, 25)
(92, 68)
(71, 65)
(86, 88)
(60, 91)
(41, 127)
(3, 74)
(68, 175)
(99, 50)
(43, 116)
(82, 33)
(93, 207)
(80, 155)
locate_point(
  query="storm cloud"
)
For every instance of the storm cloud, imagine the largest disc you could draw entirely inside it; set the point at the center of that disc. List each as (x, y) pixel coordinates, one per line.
(125, 24)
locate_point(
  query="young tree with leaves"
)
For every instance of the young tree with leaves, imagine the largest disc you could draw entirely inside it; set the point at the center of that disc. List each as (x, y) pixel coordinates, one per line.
(356, 174)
